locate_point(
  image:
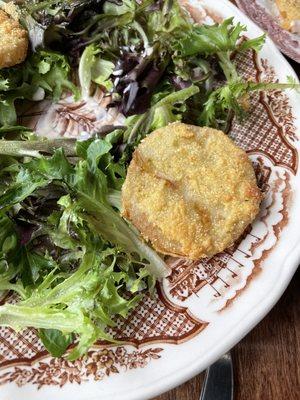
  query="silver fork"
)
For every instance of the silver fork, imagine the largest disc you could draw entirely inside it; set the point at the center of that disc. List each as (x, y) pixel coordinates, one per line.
(218, 381)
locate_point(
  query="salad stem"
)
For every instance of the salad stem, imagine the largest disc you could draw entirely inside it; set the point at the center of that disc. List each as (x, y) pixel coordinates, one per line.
(20, 148)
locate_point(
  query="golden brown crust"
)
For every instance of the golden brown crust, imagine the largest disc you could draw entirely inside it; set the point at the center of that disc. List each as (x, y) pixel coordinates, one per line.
(289, 11)
(190, 191)
(13, 41)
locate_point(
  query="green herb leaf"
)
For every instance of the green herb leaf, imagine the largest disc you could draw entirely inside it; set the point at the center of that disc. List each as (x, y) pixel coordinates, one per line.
(55, 341)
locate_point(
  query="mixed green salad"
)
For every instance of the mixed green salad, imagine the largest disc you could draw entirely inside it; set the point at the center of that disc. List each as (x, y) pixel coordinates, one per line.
(72, 262)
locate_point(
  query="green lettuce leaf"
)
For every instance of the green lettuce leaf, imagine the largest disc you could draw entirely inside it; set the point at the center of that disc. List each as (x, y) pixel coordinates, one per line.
(82, 303)
(50, 71)
(78, 263)
(164, 110)
(219, 39)
(212, 39)
(228, 99)
(92, 68)
(55, 341)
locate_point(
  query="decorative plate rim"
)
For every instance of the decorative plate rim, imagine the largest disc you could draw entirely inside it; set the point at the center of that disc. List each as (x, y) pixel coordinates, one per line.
(168, 382)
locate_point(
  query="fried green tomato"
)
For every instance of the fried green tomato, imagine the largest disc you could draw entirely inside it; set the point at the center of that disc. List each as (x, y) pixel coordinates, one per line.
(190, 191)
(13, 41)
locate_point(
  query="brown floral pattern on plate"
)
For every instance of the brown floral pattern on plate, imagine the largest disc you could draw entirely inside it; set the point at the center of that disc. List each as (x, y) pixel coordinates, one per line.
(97, 364)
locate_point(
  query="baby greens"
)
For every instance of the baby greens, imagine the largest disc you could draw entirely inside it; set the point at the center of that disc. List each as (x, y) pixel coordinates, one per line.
(71, 260)
(77, 261)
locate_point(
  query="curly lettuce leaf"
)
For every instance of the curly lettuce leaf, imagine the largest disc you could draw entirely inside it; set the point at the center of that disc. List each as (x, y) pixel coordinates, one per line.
(79, 257)
(82, 303)
(230, 98)
(87, 185)
(212, 39)
(220, 39)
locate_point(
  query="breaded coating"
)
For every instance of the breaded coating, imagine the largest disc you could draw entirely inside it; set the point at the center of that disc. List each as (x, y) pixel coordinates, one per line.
(11, 9)
(290, 12)
(190, 191)
(13, 41)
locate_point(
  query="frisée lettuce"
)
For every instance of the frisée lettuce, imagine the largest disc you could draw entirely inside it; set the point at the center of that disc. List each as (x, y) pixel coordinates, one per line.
(77, 262)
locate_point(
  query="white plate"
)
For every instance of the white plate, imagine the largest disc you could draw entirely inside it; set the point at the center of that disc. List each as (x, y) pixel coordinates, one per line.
(205, 308)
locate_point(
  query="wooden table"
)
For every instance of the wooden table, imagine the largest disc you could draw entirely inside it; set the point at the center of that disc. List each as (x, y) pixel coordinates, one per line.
(267, 360)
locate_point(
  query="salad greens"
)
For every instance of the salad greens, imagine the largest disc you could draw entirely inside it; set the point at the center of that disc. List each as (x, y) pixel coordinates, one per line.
(44, 72)
(72, 261)
(72, 251)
